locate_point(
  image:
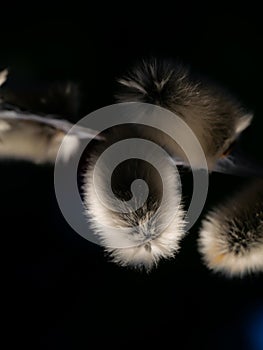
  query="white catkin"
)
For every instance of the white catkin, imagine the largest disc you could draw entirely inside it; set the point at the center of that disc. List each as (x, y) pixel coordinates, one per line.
(231, 236)
(143, 242)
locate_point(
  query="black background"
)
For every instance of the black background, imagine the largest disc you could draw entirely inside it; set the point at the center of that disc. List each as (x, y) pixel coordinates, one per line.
(63, 293)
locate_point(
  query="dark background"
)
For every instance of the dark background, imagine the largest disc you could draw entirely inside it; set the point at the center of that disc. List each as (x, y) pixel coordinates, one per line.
(62, 292)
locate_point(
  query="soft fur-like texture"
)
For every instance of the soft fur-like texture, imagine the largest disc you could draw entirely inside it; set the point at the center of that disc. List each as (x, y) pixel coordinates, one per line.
(33, 141)
(215, 117)
(134, 238)
(149, 234)
(231, 238)
(33, 137)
